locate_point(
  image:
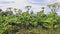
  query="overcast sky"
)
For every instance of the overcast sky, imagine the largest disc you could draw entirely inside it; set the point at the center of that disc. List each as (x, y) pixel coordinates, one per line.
(36, 4)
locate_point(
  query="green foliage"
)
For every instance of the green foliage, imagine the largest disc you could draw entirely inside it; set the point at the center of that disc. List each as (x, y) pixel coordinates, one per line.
(26, 19)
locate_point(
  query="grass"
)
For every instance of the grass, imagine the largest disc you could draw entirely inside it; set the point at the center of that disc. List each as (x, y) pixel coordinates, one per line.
(38, 30)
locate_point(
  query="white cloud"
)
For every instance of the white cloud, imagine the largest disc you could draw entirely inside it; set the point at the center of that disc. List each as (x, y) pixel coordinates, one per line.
(58, 13)
(58, 0)
(9, 0)
(21, 4)
(18, 4)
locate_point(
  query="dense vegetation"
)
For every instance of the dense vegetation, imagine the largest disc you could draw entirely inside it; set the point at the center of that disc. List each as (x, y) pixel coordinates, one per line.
(29, 23)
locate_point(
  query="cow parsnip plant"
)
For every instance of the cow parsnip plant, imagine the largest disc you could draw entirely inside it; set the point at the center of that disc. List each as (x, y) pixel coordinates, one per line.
(28, 20)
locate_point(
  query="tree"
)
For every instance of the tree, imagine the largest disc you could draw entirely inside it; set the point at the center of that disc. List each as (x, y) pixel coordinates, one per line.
(15, 9)
(54, 6)
(19, 11)
(0, 10)
(28, 8)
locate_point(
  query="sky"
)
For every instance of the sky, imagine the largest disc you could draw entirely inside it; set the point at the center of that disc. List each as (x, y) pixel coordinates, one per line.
(36, 4)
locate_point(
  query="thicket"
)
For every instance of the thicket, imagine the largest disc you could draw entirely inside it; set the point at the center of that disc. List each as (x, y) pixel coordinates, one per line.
(10, 22)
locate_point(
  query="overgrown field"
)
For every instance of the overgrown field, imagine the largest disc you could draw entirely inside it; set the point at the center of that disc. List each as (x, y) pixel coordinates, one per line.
(30, 23)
